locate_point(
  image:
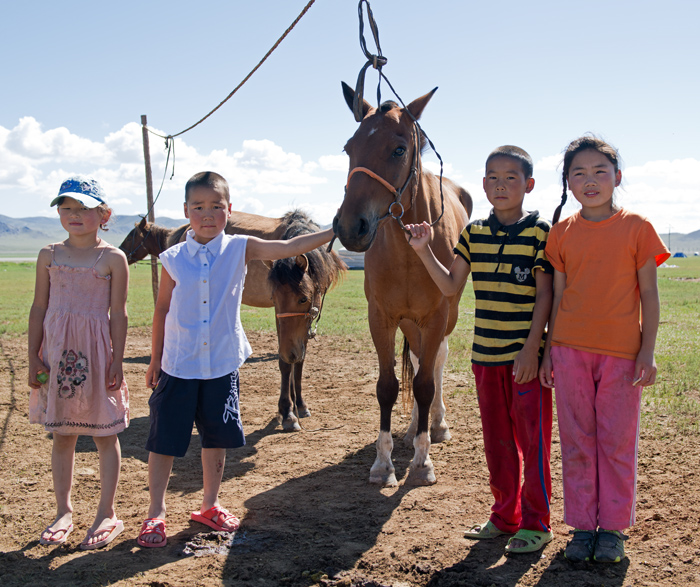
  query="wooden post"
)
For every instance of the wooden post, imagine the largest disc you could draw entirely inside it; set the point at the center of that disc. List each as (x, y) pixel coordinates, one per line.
(149, 200)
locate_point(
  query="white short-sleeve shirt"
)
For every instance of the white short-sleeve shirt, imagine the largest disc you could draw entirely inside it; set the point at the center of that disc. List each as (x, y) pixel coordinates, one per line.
(204, 338)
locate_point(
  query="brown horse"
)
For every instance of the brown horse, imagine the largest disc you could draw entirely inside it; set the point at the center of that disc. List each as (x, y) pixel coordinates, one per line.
(385, 152)
(295, 287)
(146, 238)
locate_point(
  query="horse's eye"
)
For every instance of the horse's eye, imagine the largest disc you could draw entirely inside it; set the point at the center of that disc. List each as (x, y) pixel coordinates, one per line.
(399, 152)
(303, 300)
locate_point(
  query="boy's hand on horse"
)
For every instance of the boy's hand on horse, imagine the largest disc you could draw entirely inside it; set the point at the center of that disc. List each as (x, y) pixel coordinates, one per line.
(420, 235)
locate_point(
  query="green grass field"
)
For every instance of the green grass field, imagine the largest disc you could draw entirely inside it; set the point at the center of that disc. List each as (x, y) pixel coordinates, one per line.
(676, 396)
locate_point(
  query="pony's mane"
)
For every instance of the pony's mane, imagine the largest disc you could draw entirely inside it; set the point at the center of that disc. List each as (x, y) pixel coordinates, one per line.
(324, 267)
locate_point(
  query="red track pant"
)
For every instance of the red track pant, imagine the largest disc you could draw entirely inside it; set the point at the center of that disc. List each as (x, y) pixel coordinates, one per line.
(598, 414)
(517, 425)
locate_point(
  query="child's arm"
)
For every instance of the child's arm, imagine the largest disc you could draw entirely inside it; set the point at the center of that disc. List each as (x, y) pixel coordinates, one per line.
(165, 293)
(546, 373)
(36, 317)
(645, 367)
(118, 318)
(448, 280)
(263, 250)
(526, 362)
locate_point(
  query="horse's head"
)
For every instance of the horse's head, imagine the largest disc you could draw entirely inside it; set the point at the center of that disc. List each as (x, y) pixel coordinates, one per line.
(297, 303)
(133, 244)
(384, 169)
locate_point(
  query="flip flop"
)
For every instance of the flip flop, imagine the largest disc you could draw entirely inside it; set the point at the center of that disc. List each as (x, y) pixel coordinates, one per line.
(113, 530)
(52, 540)
(221, 515)
(484, 531)
(534, 539)
(152, 526)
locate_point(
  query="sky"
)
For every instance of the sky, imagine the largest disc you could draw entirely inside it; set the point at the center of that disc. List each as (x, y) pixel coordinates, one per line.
(78, 75)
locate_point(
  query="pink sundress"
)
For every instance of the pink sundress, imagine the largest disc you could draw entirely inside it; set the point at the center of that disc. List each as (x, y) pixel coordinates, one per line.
(77, 348)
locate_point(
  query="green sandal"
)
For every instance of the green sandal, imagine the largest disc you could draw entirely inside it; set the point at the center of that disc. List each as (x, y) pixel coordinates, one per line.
(484, 531)
(534, 540)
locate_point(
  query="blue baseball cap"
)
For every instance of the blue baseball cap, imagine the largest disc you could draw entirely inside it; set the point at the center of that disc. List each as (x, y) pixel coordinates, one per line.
(82, 188)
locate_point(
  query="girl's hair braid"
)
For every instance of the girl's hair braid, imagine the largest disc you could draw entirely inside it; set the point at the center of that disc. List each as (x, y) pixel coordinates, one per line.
(584, 143)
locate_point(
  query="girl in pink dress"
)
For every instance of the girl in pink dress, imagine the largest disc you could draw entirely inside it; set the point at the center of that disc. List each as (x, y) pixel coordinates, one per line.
(77, 333)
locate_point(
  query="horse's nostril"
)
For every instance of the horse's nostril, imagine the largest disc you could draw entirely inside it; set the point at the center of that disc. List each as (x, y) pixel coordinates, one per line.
(362, 227)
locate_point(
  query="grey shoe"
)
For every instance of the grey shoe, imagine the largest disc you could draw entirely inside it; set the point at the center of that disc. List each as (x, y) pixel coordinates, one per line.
(581, 546)
(610, 547)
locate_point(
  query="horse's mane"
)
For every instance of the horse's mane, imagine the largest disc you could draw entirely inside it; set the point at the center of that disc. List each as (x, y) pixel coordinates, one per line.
(176, 235)
(324, 267)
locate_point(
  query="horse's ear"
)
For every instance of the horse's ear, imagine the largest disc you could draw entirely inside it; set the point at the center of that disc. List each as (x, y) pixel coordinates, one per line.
(143, 222)
(349, 94)
(268, 264)
(418, 105)
(302, 262)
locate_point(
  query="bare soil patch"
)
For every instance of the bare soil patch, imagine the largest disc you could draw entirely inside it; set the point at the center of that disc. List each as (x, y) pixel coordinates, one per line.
(309, 515)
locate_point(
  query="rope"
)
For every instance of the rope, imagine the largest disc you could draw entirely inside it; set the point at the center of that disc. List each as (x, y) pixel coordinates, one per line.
(170, 139)
(289, 29)
(378, 61)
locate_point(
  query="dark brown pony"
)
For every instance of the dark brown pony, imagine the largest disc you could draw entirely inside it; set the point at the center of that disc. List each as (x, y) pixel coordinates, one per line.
(299, 286)
(146, 238)
(387, 181)
(295, 287)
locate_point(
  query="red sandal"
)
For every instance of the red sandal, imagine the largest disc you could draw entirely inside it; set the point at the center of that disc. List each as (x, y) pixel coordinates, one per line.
(152, 526)
(225, 520)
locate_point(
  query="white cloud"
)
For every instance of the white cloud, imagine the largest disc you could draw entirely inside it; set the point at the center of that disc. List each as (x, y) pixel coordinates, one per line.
(265, 179)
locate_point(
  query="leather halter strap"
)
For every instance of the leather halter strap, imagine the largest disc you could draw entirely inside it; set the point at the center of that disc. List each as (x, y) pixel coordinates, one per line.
(373, 175)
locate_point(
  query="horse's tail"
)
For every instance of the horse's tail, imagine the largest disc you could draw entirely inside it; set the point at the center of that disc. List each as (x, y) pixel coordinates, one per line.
(407, 375)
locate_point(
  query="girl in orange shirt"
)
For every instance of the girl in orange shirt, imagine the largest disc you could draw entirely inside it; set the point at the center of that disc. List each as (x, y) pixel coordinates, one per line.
(598, 354)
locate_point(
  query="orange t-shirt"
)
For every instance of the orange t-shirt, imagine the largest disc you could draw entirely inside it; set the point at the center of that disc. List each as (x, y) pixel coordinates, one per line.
(600, 305)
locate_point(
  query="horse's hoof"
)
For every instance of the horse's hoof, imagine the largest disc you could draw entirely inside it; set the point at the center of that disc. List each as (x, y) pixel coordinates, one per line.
(291, 425)
(421, 476)
(383, 480)
(304, 413)
(440, 434)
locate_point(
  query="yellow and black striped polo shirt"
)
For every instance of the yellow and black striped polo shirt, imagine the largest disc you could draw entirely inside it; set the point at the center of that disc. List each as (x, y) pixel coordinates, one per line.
(503, 261)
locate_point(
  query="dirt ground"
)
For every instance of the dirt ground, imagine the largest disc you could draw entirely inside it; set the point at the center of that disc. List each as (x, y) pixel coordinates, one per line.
(309, 515)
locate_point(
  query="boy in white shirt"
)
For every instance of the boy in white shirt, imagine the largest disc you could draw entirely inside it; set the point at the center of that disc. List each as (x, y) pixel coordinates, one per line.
(198, 345)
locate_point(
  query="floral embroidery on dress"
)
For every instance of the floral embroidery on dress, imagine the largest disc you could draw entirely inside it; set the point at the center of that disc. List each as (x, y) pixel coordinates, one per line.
(72, 373)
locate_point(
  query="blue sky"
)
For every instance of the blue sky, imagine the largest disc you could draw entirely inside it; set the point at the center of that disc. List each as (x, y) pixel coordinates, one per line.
(77, 76)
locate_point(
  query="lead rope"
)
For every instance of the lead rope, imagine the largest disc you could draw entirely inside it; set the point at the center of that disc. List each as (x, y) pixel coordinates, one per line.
(378, 61)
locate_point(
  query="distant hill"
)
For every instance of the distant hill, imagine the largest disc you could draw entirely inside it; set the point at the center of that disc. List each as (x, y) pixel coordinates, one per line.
(683, 243)
(24, 237)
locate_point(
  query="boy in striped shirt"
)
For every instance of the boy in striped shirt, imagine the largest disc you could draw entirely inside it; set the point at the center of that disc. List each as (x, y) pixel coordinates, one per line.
(513, 288)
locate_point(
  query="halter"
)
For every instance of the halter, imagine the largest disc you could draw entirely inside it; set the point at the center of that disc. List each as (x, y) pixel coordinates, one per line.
(131, 253)
(314, 313)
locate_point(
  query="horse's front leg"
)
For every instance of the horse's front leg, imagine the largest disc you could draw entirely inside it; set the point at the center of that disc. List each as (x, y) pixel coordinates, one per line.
(290, 423)
(382, 471)
(439, 430)
(302, 408)
(421, 470)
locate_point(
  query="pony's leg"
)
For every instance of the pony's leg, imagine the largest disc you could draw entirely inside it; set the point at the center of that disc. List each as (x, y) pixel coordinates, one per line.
(382, 471)
(286, 412)
(439, 430)
(413, 426)
(302, 408)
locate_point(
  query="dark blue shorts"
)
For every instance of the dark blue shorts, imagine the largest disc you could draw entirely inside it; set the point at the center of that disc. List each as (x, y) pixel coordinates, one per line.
(212, 404)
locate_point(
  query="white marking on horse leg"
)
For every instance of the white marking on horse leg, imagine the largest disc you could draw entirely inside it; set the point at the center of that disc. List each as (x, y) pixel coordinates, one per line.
(413, 426)
(439, 430)
(421, 471)
(382, 471)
